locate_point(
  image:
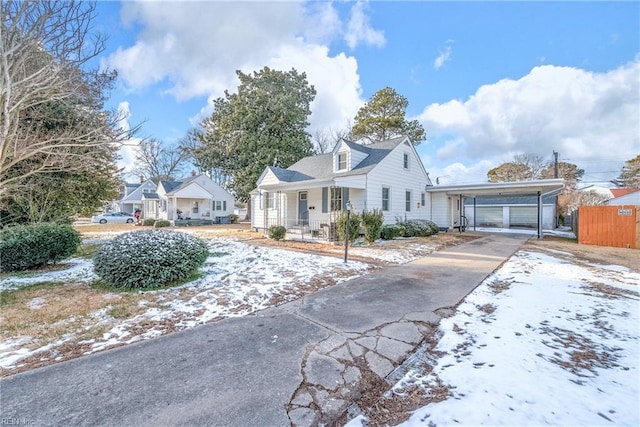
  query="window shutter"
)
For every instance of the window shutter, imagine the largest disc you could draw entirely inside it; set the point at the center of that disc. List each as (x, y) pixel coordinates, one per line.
(345, 197)
(224, 205)
(325, 199)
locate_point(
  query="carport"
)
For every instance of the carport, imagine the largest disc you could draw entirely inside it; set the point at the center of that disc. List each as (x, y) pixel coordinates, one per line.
(447, 202)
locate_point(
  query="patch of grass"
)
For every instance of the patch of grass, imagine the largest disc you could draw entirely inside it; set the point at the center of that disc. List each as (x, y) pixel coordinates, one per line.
(10, 296)
(218, 254)
(104, 286)
(87, 251)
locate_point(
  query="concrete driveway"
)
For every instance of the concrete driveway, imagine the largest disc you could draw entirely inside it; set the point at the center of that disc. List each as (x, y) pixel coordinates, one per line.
(297, 364)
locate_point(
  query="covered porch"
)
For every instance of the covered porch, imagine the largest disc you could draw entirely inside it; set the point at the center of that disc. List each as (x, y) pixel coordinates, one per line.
(307, 213)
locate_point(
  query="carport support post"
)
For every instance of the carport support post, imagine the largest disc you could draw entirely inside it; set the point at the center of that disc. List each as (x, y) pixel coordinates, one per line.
(539, 215)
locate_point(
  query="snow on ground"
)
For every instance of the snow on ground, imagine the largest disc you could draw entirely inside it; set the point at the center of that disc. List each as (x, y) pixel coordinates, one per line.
(547, 339)
(78, 269)
(237, 279)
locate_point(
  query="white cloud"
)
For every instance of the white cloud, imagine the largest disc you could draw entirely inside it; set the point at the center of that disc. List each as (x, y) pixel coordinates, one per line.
(194, 51)
(128, 151)
(445, 55)
(587, 117)
(359, 28)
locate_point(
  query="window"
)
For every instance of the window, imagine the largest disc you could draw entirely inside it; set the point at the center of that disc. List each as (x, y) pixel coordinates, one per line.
(405, 160)
(220, 205)
(269, 200)
(342, 161)
(408, 201)
(336, 198)
(422, 199)
(385, 198)
(195, 207)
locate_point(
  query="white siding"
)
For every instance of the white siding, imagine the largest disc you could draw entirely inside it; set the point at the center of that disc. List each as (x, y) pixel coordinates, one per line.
(269, 179)
(440, 209)
(390, 172)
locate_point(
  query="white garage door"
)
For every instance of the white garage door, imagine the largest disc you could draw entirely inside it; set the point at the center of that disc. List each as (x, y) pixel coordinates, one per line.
(489, 216)
(523, 216)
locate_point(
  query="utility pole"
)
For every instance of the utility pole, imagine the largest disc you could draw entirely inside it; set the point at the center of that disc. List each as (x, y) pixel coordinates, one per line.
(555, 164)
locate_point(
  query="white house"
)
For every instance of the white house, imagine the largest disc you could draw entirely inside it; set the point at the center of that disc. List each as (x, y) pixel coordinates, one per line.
(196, 198)
(311, 194)
(625, 196)
(132, 195)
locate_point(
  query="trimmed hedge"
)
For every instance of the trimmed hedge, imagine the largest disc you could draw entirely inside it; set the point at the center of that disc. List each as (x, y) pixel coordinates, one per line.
(161, 223)
(391, 231)
(148, 222)
(410, 228)
(149, 258)
(277, 232)
(26, 247)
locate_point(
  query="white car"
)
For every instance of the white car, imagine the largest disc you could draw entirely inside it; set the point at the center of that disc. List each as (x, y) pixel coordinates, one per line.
(114, 218)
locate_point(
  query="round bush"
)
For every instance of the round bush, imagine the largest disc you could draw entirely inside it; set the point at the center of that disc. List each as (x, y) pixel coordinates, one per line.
(148, 221)
(149, 258)
(277, 232)
(161, 223)
(25, 247)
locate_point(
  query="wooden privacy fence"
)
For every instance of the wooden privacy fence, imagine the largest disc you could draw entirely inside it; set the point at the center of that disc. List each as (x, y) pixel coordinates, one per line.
(617, 226)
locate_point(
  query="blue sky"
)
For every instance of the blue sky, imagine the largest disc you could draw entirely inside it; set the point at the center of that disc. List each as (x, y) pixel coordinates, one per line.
(488, 80)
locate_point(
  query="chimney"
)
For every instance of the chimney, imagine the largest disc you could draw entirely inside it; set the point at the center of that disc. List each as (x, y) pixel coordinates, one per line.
(193, 172)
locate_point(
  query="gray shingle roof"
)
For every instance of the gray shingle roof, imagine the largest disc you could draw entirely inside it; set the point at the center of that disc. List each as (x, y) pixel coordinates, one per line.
(321, 166)
(150, 196)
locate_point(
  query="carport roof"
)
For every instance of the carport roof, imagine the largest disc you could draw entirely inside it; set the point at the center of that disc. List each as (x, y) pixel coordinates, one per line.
(519, 188)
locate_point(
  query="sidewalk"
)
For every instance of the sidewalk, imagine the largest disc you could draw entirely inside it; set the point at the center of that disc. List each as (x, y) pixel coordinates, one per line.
(299, 363)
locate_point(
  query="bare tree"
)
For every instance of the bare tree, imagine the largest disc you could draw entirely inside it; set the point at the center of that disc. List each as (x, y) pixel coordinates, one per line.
(157, 162)
(325, 140)
(52, 118)
(571, 201)
(534, 162)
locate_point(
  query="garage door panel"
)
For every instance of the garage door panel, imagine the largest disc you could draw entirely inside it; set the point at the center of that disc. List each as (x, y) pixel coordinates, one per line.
(489, 216)
(523, 216)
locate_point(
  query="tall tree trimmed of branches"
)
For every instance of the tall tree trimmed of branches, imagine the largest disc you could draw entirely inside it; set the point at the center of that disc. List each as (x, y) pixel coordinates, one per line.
(52, 120)
(263, 124)
(383, 117)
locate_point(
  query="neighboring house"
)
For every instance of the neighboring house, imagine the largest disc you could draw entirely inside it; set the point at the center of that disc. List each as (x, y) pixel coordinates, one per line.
(597, 189)
(311, 194)
(625, 196)
(510, 212)
(196, 197)
(132, 195)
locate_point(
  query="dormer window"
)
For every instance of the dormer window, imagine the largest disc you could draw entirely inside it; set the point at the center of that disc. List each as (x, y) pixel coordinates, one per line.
(405, 160)
(342, 161)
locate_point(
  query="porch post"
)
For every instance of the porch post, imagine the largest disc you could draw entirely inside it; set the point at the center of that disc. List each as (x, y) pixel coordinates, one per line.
(539, 215)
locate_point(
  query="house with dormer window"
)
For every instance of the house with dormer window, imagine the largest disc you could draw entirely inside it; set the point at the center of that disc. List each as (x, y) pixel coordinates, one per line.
(308, 196)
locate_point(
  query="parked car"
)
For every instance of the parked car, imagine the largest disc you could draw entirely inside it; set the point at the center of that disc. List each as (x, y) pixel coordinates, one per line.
(114, 217)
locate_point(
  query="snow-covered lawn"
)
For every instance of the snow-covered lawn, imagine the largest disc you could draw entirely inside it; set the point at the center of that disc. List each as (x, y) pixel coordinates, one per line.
(238, 279)
(547, 339)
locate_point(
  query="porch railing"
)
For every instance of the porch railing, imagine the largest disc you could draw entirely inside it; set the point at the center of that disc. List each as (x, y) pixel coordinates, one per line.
(306, 230)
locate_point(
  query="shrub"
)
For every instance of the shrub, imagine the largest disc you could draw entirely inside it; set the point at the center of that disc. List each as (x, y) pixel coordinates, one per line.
(233, 218)
(419, 228)
(354, 226)
(148, 221)
(277, 232)
(149, 258)
(372, 223)
(161, 223)
(29, 246)
(390, 232)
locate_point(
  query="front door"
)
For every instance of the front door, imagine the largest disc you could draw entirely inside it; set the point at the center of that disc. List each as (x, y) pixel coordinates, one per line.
(303, 210)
